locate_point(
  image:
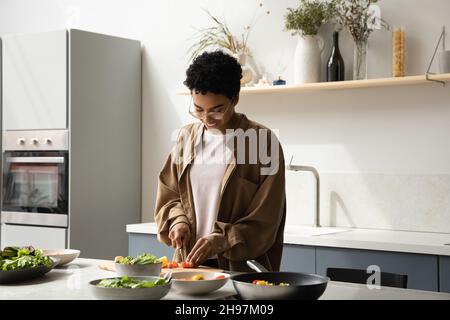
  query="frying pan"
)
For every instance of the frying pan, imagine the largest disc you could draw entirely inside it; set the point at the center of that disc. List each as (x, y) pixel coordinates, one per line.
(302, 286)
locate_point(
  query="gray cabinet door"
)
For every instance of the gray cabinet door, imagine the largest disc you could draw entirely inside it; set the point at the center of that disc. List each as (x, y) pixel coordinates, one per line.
(139, 243)
(39, 237)
(298, 259)
(444, 274)
(35, 81)
(421, 269)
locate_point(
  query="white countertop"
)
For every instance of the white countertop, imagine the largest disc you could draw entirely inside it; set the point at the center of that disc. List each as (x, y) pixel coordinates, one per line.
(368, 239)
(71, 283)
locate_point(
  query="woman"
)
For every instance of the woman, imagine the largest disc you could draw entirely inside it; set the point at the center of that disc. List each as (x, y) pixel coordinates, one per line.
(221, 193)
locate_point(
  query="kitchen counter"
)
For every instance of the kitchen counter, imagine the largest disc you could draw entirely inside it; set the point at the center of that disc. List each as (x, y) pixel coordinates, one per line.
(71, 283)
(366, 239)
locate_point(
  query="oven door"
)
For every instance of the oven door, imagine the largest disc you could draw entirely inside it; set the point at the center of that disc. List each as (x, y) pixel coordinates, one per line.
(35, 188)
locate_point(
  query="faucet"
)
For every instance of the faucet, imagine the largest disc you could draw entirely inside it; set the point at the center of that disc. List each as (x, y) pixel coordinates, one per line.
(316, 175)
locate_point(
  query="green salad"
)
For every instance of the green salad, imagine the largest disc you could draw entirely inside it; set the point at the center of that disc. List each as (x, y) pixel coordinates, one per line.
(14, 258)
(145, 258)
(127, 282)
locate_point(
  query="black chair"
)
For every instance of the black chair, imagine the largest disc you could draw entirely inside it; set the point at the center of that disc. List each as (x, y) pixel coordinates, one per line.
(361, 276)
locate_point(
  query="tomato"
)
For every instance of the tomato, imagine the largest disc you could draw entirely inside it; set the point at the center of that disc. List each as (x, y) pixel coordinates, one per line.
(255, 281)
(186, 264)
(220, 277)
(172, 264)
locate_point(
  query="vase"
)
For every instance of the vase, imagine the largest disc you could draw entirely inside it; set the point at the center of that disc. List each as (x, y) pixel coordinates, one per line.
(247, 71)
(360, 60)
(307, 59)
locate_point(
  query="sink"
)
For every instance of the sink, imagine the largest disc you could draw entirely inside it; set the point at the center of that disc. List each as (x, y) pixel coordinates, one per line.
(308, 231)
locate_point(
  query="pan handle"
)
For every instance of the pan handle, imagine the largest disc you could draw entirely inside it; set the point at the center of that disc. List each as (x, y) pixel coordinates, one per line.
(255, 265)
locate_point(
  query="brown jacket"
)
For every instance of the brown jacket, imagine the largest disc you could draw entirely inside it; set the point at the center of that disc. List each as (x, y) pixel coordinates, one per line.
(252, 212)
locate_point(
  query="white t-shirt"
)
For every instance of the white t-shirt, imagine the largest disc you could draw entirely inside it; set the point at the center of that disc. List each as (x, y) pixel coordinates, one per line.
(206, 175)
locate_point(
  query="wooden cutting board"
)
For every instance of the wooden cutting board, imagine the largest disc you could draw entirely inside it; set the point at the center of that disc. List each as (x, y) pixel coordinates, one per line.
(110, 266)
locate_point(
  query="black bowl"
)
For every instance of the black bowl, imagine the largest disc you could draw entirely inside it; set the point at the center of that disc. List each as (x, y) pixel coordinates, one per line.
(20, 275)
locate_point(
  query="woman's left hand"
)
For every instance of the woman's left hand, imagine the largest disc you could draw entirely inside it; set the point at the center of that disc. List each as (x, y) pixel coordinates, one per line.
(201, 251)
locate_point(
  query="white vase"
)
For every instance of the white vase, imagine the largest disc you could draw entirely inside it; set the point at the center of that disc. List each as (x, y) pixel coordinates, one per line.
(307, 59)
(247, 71)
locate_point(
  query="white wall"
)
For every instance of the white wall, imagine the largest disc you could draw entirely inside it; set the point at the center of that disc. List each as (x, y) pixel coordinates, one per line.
(368, 144)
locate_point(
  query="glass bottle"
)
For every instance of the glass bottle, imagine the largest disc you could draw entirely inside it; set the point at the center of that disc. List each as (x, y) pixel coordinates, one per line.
(335, 66)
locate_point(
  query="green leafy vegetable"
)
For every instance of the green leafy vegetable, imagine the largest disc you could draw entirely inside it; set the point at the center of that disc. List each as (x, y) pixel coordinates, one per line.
(144, 258)
(127, 282)
(309, 16)
(14, 258)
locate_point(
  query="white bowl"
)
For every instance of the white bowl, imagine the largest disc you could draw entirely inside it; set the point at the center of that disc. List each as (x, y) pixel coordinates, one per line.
(150, 269)
(154, 293)
(63, 255)
(198, 287)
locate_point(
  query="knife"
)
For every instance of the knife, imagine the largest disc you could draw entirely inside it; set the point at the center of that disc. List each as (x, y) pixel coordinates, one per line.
(180, 252)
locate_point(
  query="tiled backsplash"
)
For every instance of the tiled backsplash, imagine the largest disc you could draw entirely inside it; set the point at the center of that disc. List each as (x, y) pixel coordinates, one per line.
(375, 201)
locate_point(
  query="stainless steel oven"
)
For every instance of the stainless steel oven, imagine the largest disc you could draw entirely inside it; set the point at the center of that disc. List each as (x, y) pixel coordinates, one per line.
(35, 178)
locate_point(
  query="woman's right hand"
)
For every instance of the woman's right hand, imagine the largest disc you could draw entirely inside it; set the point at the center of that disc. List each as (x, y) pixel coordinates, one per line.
(179, 235)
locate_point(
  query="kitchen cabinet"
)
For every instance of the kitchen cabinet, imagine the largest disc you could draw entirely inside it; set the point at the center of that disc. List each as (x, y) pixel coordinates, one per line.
(86, 85)
(444, 274)
(39, 237)
(140, 243)
(298, 259)
(421, 269)
(35, 81)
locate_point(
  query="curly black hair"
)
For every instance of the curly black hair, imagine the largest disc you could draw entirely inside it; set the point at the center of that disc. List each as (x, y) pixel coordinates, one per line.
(215, 72)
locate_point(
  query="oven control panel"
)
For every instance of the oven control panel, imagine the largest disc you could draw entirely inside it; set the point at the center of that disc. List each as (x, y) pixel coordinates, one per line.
(36, 140)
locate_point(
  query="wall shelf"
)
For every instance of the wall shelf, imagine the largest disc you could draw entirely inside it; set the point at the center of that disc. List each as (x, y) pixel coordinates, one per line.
(351, 84)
